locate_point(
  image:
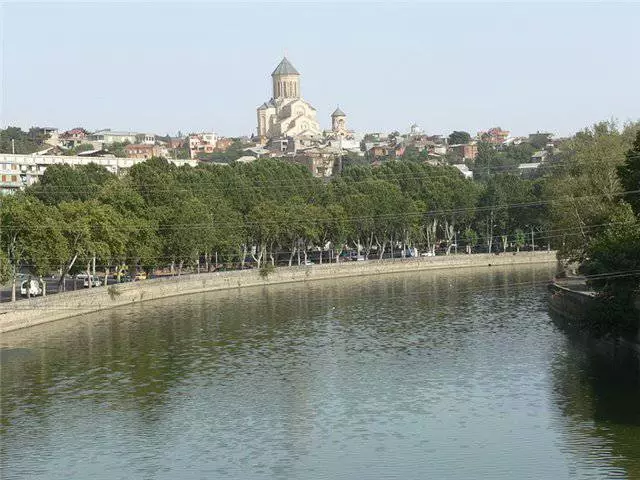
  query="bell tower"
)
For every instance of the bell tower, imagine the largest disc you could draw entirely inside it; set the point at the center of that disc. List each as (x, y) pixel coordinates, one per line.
(339, 122)
(286, 80)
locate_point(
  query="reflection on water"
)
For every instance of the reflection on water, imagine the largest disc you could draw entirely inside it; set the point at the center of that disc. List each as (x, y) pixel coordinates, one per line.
(455, 374)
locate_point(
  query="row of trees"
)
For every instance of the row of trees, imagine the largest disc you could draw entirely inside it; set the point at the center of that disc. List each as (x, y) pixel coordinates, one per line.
(159, 215)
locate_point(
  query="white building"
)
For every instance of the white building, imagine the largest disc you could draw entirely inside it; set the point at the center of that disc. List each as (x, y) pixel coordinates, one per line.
(20, 171)
(204, 142)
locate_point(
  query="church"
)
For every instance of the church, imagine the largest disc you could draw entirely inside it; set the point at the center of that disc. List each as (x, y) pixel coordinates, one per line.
(286, 114)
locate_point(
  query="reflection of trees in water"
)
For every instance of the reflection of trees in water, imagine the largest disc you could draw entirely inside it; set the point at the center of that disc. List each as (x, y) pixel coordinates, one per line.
(597, 387)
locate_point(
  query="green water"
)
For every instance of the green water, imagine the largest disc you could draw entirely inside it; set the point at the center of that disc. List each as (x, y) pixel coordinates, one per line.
(448, 375)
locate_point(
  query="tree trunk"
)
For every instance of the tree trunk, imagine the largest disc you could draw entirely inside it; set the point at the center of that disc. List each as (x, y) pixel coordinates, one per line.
(89, 279)
(13, 285)
(292, 254)
(93, 260)
(180, 268)
(106, 275)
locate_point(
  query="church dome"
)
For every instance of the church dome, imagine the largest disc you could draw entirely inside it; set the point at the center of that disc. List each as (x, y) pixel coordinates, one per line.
(285, 68)
(338, 113)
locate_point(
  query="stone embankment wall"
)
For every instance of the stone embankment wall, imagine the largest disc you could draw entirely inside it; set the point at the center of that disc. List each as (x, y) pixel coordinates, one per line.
(26, 313)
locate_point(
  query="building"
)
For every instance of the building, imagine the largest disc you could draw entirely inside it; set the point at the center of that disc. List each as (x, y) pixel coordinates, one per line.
(286, 114)
(494, 136)
(74, 137)
(464, 170)
(20, 171)
(144, 151)
(322, 161)
(223, 143)
(107, 136)
(339, 124)
(466, 151)
(204, 142)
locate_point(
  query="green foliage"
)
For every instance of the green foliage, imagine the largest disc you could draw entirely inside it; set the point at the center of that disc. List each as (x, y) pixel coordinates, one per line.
(458, 137)
(266, 269)
(629, 173)
(585, 187)
(23, 142)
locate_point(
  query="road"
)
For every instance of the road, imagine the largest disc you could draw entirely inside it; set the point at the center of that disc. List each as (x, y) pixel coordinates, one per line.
(52, 287)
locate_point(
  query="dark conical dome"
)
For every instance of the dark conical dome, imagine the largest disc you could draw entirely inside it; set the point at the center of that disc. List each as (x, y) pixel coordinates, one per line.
(338, 113)
(285, 68)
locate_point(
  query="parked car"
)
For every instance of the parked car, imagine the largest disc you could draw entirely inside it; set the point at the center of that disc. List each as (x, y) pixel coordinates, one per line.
(139, 276)
(360, 258)
(308, 262)
(30, 287)
(95, 281)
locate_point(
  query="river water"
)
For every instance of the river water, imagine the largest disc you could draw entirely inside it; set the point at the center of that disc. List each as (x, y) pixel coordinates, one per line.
(453, 374)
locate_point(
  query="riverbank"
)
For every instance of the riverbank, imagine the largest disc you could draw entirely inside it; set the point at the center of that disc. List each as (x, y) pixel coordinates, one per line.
(41, 310)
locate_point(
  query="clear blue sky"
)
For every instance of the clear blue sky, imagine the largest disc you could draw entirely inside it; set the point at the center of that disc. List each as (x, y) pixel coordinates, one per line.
(171, 66)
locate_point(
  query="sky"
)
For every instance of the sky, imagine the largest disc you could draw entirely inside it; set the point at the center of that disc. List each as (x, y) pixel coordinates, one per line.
(167, 66)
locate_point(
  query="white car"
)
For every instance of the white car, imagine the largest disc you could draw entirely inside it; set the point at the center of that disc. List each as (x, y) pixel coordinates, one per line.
(427, 254)
(95, 282)
(30, 288)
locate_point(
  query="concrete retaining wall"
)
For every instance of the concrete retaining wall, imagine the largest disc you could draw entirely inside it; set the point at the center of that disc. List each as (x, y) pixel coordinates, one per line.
(39, 310)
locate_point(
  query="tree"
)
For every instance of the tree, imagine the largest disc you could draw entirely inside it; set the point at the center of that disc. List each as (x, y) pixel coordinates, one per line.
(458, 137)
(470, 238)
(584, 188)
(31, 234)
(629, 173)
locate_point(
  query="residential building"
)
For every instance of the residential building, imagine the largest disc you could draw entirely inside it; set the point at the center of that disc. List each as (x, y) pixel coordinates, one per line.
(20, 171)
(141, 150)
(494, 136)
(107, 136)
(204, 142)
(74, 137)
(539, 156)
(464, 170)
(223, 143)
(322, 161)
(466, 151)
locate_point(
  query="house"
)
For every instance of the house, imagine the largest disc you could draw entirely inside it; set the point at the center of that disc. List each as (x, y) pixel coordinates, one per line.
(141, 150)
(464, 170)
(494, 136)
(107, 136)
(204, 142)
(466, 151)
(322, 160)
(539, 156)
(223, 144)
(529, 169)
(74, 137)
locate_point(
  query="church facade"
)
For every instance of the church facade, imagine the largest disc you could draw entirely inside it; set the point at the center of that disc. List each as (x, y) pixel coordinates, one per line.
(286, 114)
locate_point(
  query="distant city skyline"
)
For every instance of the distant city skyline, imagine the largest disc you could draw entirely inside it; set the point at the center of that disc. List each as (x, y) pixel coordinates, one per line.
(205, 66)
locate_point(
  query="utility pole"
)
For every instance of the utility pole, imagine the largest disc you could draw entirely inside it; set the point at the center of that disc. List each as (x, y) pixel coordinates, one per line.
(13, 146)
(533, 245)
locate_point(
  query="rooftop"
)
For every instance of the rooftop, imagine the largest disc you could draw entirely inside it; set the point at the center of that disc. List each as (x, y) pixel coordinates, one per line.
(285, 68)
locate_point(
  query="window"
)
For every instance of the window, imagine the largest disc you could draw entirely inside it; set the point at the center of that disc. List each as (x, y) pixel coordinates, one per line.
(4, 178)
(14, 178)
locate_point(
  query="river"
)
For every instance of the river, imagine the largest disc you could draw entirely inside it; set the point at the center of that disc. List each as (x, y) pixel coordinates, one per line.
(454, 374)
